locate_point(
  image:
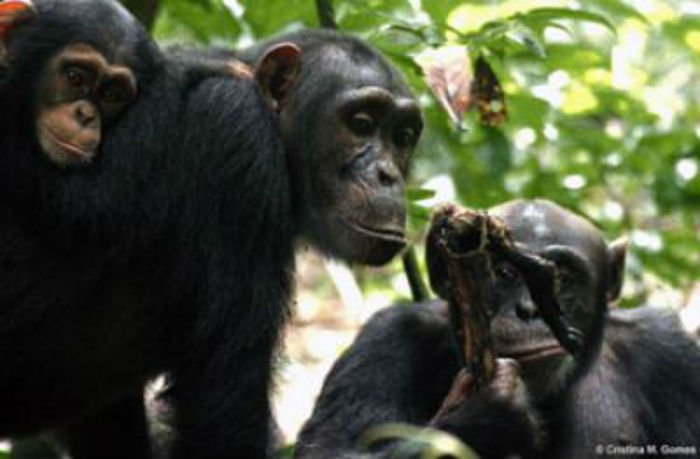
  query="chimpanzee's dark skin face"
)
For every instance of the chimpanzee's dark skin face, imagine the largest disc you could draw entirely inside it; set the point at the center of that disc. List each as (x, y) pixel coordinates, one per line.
(350, 128)
(590, 272)
(370, 135)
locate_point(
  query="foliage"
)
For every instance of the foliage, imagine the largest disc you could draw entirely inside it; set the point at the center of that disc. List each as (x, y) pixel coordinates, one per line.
(602, 99)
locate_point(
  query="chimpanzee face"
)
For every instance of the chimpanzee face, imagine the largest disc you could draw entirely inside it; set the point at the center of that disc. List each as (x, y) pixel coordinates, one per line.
(77, 65)
(79, 94)
(370, 129)
(589, 273)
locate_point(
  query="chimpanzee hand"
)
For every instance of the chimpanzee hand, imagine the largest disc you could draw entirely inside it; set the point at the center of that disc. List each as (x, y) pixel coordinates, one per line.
(496, 421)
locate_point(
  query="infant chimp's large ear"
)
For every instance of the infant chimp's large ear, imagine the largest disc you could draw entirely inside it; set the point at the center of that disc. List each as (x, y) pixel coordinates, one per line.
(277, 72)
(12, 13)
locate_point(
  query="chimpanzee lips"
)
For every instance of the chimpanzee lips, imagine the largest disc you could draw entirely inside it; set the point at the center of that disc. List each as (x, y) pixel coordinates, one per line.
(387, 233)
(69, 148)
(539, 351)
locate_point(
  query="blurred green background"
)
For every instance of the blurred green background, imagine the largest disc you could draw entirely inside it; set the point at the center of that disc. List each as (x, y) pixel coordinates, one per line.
(603, 102)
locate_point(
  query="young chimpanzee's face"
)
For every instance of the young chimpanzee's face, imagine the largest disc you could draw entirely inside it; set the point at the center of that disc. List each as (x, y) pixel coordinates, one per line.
(77, 70)
(589, 272)
(80, 93)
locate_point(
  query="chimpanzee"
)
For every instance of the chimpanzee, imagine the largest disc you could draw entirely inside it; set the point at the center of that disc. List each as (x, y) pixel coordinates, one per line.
(349, 127)
(160, 236)
(349, 124)
(635, 386)
(79, 93)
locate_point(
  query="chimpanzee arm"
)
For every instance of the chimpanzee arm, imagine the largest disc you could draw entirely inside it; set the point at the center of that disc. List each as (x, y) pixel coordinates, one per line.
(238, 248)
(224, 412)
(643, 390)
(398, 370)
(116, 431)
(220, 390)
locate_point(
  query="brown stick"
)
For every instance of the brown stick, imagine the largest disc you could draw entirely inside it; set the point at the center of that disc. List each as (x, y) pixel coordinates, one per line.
(460, 249)
(460, 271)
(326, 15)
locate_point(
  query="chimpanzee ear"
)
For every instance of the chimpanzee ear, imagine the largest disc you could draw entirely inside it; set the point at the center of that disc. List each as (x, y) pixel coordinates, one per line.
(617, 253)
(276, 73)
(12, 13)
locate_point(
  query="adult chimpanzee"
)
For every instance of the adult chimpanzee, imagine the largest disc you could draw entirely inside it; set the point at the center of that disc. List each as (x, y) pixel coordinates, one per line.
(636, 385)
(349, 126)
(161, 237)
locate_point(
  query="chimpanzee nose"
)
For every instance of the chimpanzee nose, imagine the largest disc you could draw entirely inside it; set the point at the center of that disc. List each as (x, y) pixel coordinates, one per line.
(86, 114)
(388, 173)
(526, 309)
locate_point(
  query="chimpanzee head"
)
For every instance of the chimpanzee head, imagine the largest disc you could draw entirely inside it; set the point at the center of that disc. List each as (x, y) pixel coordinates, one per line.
(68, 70)
(350, 125)
(590, 273)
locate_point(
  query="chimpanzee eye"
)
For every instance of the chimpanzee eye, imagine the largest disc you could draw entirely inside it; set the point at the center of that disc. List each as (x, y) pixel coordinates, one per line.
(506, 272)
(405, 137)
(362, 124)
(564, 274)
(114, 94)
(77, 77)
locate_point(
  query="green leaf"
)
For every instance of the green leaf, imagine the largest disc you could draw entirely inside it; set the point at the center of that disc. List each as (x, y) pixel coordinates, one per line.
(438, 10)
(617, 9)
(204, 21)
(286, 452)
(418, 216)
(405, 62)
(553, 14)
(269, 17)
(367, 16)
(419, 194)
(530, 38)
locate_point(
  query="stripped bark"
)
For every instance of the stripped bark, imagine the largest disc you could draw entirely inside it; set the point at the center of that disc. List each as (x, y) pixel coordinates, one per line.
(462, 246)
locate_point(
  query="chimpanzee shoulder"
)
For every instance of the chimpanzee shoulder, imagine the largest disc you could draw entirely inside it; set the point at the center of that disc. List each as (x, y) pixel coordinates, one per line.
(650, 369)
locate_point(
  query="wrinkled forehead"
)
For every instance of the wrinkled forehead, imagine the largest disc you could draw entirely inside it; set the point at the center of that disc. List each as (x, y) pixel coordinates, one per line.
(540, 224)
(356, 71)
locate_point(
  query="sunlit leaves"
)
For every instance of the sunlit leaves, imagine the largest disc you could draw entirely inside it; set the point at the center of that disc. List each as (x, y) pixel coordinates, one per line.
(204, 21)
(268, 17)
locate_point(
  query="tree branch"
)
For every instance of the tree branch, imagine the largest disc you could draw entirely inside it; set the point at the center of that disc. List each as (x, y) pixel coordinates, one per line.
(326, 15)
(145, 11)
(419, 291)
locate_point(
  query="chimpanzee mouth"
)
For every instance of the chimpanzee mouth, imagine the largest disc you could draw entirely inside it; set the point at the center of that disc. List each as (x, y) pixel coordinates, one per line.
(387, 233)
(69, 148)
(533, 353)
